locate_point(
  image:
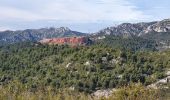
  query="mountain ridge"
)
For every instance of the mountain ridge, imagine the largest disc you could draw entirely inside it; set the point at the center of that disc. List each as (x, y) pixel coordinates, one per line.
(141, 29)
(137, 29)
(37, 34)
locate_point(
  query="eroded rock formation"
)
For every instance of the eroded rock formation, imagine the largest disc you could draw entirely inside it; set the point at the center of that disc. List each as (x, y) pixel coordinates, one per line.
(67, 40)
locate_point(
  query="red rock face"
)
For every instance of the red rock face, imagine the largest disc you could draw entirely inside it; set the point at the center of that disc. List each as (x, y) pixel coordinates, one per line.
(68, 40)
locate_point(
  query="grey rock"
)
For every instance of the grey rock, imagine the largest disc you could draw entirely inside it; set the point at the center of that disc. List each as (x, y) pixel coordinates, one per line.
(137, 29)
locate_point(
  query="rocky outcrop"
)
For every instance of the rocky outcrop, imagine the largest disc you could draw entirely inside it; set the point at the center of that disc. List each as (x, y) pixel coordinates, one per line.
(103, 93)
(67, 40)
(165, 80)
(138, 29)
(156, 85)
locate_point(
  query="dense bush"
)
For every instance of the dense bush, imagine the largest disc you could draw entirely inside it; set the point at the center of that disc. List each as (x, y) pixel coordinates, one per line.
(84, 68)
(131, 43)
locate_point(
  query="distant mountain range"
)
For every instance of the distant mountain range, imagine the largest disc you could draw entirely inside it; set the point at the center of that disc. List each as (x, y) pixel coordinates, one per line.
(143, 29)
(137, 29)
(37, 34)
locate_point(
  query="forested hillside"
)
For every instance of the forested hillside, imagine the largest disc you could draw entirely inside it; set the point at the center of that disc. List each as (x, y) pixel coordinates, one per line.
(82, 68)
(131, 43)
(128, 59)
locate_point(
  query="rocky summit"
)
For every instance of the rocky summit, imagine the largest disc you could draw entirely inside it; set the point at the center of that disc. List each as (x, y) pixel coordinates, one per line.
(137, 29)
(143, 29)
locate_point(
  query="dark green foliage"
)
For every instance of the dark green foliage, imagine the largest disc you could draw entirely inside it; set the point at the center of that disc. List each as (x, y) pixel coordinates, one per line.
(84, 68)
(131, 43)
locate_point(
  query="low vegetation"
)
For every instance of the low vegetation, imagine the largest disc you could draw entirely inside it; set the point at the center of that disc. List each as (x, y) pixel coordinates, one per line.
(17, 91)
(33, 71)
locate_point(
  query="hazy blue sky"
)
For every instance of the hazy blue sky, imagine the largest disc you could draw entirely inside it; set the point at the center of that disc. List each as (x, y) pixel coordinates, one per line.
(80, 15)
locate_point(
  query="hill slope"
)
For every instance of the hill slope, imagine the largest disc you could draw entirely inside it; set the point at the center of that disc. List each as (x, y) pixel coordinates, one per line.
(83, 68)
(36, 34)
(137, 29)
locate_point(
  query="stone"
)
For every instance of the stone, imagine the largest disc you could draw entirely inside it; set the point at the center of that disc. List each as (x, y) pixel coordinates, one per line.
(104, 93)
(68, 65)
(67, 40)
(168, 73)
(87, 63)
(104, 59)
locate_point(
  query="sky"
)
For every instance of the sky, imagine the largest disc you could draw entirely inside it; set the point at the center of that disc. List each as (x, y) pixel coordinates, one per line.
(79, 15)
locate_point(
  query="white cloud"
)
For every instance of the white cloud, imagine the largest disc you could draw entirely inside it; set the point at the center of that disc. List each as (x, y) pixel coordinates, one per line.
(77, 14)
(88, 10)
(9, 13)
(73, 10)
